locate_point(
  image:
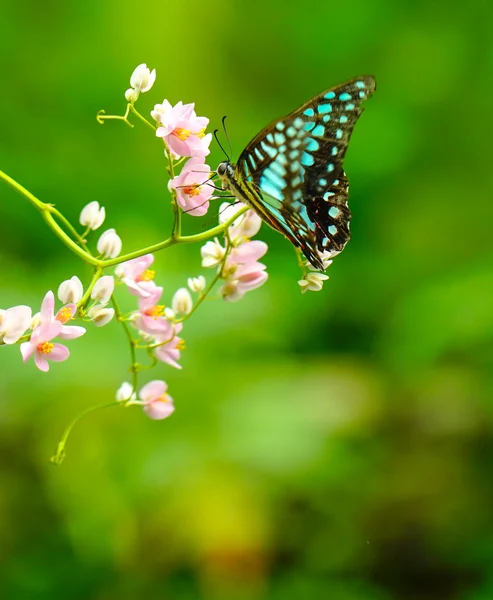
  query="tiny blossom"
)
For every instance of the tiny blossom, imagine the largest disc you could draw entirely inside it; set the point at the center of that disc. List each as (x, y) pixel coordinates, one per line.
(65, 314)
(169, 350)
(245, 226)
(181, 129)
(169, 314)
(35, 321)
(212, 253)
(100, 315)
(192, 188)
(246, 277)
(182, 302)
(150, 317)
(71, 290)
(312, 282)
(103, 289)
(141, 80)
(157, 403)
(125, 392)
(92, 215)
(137, 276)
(196, 284)
(41, 346)
(13, 323)
(109, 244)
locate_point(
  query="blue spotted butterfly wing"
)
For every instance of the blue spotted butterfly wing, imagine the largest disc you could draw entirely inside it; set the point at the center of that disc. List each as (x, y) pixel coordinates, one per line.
(296, 165)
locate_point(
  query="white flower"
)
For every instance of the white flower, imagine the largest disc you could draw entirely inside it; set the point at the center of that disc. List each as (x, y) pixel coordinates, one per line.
(182, 302)
(92, 215)
(313, 282)
(196, 284)
(109, 244)
(142, 80)
(103, 289)
(212, 253)
(13, 323)
(125, 392)
(101, 315)
(71, 290)
(160, 110)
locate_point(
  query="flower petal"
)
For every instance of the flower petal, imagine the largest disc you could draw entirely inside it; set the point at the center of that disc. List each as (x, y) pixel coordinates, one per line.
(152, 390)
(59, 353)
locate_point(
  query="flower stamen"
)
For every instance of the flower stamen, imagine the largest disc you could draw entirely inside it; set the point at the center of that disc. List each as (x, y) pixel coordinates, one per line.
(45, 347)
(182, 134)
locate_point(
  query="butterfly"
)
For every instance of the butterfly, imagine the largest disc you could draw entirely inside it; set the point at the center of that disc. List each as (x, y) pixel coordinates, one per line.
(291, 173)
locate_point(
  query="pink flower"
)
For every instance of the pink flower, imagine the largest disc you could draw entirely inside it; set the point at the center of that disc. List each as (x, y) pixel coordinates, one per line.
(170, 349)
(245, 226)
(138, 277)
(181, 129)
(150, 318)
(192, 188)
(66, 313)
(157, 403)
(245, 278)
(41, 346)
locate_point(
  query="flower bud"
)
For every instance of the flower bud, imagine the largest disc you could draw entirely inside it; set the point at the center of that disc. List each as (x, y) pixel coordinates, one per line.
(313, 282)
(142, 79)
(212, 253)
(13, 323)
(71, 290)
(169, 314)
(103, 289)
(125, 392)
(109, 244)
(101, 315)
(92, 215)
(131, 95)
(35, 321)
(196, 284)
(182, 302)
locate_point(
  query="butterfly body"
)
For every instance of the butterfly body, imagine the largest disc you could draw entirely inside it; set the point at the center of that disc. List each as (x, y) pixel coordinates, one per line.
(291, 173)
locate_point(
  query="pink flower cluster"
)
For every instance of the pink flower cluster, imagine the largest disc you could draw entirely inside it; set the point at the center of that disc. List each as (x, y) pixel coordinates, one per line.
(242, 270)
(153, 320)
(47, 327)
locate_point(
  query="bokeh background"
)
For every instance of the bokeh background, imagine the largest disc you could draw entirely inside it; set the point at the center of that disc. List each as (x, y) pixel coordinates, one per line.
(333, 445)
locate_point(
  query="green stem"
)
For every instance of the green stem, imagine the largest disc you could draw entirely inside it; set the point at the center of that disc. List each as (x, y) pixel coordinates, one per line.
(142, 118)
(128, 333)
(59, 456)
(86, 296)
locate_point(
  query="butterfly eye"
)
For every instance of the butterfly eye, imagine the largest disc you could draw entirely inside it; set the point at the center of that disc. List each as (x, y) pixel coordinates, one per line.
(222, 168)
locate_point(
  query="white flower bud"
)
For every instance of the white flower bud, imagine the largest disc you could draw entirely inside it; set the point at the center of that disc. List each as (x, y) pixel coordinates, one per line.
(103, 289)
(35, 321)
(142, 78)
(313, 282)
(71, 290)
(92, 215)
(169, 314)
(131, 95)
(125, 392)
(196, 284)
(109, 244)
(212, 253)
(13, 323)
(182, 302)
(101, 315)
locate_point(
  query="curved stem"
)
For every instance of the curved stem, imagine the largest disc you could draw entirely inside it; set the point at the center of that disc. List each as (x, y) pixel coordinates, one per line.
(142, 118)
(128, 333)
(59, 456)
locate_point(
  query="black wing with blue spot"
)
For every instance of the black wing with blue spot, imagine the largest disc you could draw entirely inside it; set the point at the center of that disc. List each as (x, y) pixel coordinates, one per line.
(296, 165)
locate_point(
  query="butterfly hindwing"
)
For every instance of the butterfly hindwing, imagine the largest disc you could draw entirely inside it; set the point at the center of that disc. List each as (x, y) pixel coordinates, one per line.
(296, 165)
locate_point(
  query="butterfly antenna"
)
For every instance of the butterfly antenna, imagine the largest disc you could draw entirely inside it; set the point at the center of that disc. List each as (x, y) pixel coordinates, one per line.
(226, 134)
(220, 145)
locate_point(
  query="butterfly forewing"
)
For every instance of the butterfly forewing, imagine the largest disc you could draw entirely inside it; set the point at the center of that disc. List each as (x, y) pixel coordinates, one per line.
(296, 165)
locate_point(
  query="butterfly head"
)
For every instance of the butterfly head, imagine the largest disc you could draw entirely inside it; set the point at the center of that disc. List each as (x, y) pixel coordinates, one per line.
(225, 172)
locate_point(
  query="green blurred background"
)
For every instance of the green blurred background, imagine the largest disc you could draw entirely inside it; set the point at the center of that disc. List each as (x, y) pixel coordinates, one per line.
(333, 445)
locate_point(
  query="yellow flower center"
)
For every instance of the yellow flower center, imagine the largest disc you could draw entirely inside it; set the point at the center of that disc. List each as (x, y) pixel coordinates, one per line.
(181, 345)
(163, 398)
(192, 190)
(147, 275)
(201, 133)
(155, 311)
(182, 134)
(45, 347)
(64, 314)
